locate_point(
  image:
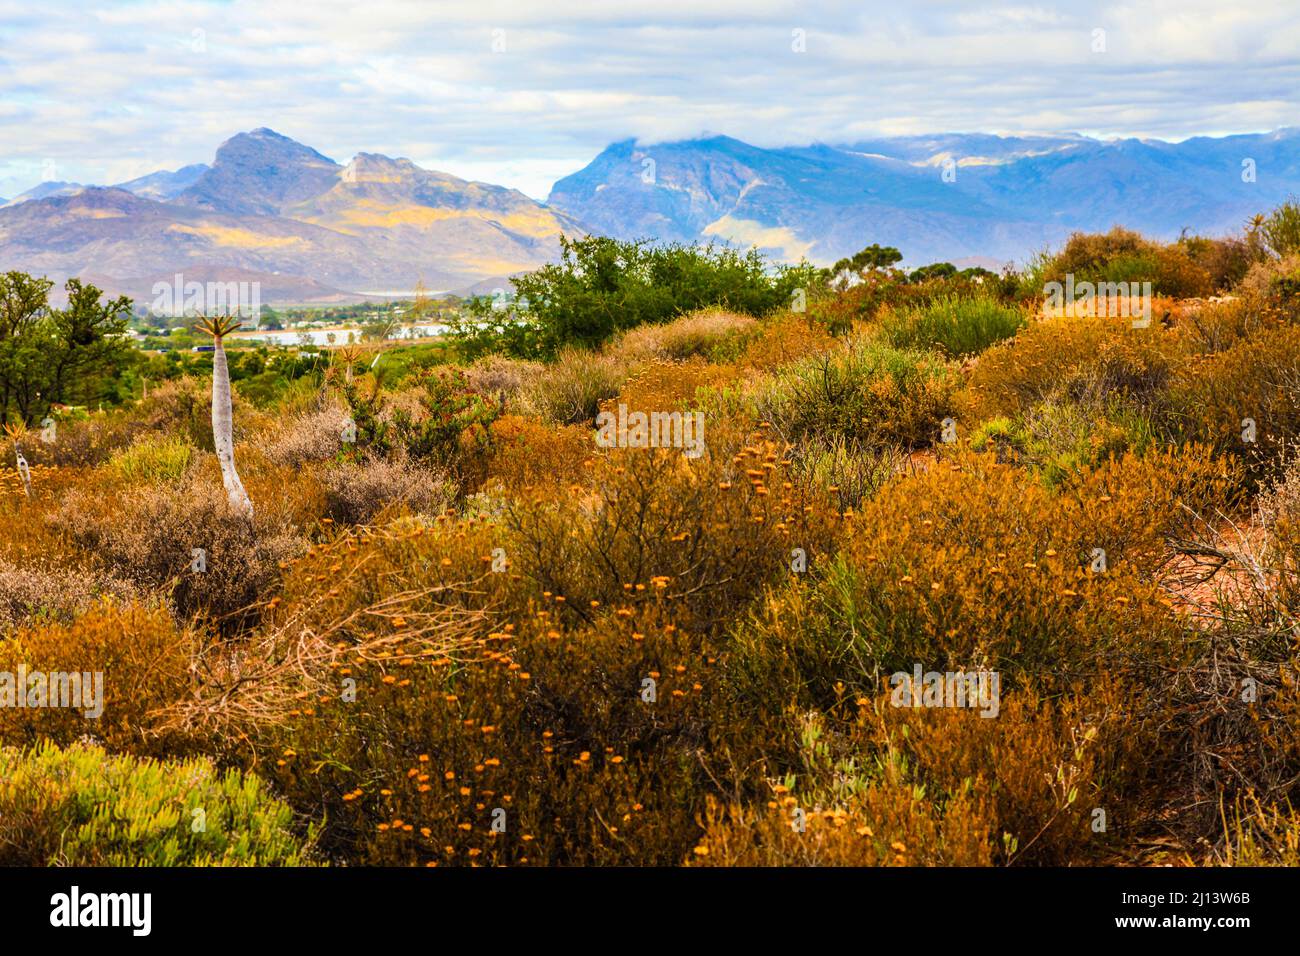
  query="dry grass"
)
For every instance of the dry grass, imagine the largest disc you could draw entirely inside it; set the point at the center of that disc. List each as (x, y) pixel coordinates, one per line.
(709, 333)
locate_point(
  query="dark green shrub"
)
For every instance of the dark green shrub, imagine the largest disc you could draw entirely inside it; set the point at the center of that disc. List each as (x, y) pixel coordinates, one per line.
(956, 325)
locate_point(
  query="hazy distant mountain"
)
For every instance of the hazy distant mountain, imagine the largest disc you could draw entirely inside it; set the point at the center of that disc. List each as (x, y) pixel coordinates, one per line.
(272, 210)
(817, 202)
(165, 184)
(948, 196)
(45, 190)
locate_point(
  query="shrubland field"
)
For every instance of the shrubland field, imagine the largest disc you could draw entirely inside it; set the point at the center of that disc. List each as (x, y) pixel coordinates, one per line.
(457, 630)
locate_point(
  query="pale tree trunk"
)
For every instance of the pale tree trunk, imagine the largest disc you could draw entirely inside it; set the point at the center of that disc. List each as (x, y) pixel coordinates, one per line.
(223, 434)
(24, 472)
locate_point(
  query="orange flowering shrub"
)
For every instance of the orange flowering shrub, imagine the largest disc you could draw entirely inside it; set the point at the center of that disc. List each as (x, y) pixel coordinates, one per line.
(704, 534)
(592, 653)
(1216, 326)
(143, 657)
(1079, 355)
(178, 409)
(665, 386)
(913, 786)
(546, 746)
(974, 564)
(1244, 400)
(1044, 766)
(887, 823)
(783, 338)
(26, 535)
(529, 452)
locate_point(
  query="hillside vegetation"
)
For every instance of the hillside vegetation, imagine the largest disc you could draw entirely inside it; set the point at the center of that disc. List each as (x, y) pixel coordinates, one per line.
(460, 627)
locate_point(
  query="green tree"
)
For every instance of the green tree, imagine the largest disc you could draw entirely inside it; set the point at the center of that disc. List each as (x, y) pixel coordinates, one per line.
(602, 286)
(935, 270)
(873, 258)
(47, 356)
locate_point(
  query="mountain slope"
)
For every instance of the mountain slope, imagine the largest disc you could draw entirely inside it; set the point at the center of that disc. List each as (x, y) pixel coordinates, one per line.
(259, 173)
(268, 206)
(949, 196)
(476, 228)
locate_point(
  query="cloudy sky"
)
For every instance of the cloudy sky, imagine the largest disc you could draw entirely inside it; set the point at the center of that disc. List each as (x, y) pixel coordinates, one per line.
(521, 94)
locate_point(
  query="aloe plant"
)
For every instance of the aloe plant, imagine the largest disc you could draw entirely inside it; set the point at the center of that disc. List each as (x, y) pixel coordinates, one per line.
(222, 427)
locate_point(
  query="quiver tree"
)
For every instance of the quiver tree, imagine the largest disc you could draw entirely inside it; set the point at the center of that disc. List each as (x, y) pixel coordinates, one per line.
(349, 355)
(14, 432)
(222, 428)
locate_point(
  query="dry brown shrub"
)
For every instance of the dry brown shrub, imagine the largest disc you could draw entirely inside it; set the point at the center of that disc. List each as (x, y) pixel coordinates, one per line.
(314, 436)
(173, 409)
(388, 597)
(501, 376)
(1271, 286)
(46, 591)
(357, 491)
(148, 536)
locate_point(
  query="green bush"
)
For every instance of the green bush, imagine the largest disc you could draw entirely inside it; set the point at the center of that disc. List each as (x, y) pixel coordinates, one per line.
(1061, 436)
(152, 459)
(602, 286)
(82, 807)
(957, 325)
(450, 427)
(1227, 260)
(570, 389)
(1281, 229)
(867, 393)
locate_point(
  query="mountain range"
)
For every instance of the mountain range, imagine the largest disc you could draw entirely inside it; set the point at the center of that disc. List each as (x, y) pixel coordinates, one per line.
(275, 211)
